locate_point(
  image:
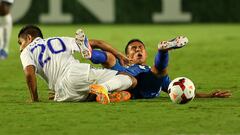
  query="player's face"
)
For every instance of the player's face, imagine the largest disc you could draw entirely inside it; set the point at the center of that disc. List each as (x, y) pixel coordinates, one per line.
(24, 41)
(137, 53)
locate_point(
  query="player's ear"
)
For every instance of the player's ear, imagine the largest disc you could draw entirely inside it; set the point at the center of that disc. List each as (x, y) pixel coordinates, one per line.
(29, 38)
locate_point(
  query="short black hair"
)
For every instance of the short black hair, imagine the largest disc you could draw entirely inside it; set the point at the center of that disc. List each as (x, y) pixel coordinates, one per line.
(32, 30)
(131, 41)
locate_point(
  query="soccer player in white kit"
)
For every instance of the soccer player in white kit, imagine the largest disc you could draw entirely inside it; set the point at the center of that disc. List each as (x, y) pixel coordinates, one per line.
(5, 27)
(71, 80)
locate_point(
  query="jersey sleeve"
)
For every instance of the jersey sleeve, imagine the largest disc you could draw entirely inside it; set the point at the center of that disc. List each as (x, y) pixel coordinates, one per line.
(27, 59)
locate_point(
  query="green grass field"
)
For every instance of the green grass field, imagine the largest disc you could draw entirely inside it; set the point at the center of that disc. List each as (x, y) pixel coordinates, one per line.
(211, 60)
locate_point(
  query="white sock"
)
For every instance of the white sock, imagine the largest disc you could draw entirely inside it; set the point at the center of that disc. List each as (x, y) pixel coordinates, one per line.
(118, 82)
(5, 31)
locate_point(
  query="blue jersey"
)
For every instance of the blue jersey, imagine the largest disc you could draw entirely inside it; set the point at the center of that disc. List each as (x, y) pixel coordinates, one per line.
(149, 85)
(133, 70)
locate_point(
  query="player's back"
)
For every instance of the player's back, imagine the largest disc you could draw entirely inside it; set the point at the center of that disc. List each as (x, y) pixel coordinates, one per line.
(51, 57)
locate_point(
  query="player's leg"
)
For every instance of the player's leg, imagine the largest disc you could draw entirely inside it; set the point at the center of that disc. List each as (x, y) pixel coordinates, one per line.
(175, 43)
(96, 56)
(108, 80)
(161, 63)
(82, 42)
(162, 57)
(107, 59)
(119, 96)
(111, 80)
(165, 81)
(75, 85)
(5, 28)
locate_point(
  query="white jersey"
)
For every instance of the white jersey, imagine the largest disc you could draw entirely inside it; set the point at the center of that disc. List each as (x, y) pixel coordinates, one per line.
(51, 57)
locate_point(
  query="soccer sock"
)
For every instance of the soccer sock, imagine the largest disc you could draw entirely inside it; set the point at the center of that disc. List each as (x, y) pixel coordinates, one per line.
(6, 29)
(161, 60)
(98, 57)
(118, 82)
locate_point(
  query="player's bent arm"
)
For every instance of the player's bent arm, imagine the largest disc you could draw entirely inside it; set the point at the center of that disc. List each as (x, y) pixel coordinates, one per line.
(108, 48)
(103, 46)
(31, 82)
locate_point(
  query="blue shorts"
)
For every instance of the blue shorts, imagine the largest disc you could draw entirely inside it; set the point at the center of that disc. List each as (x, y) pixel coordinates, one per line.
(149, 85)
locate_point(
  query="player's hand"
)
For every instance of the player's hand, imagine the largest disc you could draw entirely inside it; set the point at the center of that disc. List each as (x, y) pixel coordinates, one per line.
(221, 94)
(123, 59)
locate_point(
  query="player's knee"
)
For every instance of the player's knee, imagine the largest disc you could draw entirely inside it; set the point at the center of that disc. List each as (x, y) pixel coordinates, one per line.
(133, 80)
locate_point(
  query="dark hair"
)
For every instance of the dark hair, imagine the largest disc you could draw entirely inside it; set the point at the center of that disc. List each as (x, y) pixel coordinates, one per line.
(131, 41)
(32, 30)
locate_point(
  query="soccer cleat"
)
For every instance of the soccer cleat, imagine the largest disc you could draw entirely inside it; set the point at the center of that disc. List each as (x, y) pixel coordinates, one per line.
(3, 54)
(119, 96)
(175, 43)
(82, 42)
(101, 92)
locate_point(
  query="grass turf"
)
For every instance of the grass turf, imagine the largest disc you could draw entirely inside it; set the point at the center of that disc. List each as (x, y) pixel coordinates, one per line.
(211, 60)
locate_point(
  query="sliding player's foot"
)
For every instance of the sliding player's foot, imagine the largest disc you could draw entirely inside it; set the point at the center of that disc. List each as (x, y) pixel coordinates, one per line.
(82, 42)
(119, 96)
(101, 92)
(175, 43)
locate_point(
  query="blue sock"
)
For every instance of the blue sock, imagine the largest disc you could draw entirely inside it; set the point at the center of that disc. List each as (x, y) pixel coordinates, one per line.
(161, 60)
(98, 57)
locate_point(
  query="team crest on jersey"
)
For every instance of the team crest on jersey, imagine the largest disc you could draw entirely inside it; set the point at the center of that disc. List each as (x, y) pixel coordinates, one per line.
(143, 67)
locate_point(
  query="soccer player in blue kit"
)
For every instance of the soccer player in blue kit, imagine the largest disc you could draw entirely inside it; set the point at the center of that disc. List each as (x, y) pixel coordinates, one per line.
(150, 80)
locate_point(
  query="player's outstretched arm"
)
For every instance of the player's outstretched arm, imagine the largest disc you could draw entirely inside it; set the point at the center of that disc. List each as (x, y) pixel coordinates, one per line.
(31, 82)
(214, 94)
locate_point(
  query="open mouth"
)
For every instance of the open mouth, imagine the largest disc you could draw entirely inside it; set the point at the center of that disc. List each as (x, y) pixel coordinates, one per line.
(139, 55)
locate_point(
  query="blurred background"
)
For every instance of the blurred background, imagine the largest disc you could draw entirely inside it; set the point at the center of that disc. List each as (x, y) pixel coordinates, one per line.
(125, 11)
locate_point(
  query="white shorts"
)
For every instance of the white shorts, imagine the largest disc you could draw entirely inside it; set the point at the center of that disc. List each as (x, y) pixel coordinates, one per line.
(8, 1)
(74, 86)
